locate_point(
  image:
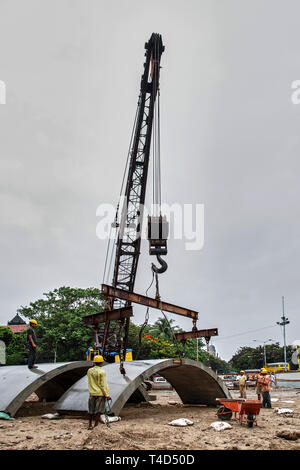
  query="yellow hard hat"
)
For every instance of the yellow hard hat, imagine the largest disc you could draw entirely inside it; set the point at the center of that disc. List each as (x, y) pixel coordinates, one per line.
(242, 372)
(33, 322)
(98, 359)
(264, 371)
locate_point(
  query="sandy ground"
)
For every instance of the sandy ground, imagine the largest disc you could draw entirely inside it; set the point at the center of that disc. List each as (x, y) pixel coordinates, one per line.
(145, 426)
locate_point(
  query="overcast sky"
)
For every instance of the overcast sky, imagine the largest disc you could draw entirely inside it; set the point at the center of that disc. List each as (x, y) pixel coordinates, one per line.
(229, 136)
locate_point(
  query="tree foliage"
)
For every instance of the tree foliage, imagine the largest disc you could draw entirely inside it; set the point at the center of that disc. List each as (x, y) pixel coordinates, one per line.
(253, 358)
(15, 345)
(163, 328)
(60, 325)
(157, 342)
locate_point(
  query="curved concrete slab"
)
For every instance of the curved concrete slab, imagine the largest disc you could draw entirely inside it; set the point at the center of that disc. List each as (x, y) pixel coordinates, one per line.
(194, 383)
(49, 381)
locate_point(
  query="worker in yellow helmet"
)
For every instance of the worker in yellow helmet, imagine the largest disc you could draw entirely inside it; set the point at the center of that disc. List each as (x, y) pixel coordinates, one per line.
(31, 344)
(98, 390)
(243, 384)
(266, 388)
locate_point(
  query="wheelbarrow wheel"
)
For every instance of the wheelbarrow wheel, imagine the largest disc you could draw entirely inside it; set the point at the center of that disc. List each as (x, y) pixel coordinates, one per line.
(250, 420)
(225, 414)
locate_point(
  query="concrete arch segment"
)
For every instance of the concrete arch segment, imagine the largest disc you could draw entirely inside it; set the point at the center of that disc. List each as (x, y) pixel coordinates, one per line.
(49, 381)
(194, 383)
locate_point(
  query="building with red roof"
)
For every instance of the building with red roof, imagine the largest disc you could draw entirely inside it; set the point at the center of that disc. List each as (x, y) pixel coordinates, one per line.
(16, 325)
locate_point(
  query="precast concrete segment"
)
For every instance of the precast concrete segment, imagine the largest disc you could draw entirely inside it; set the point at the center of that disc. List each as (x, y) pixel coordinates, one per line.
(194, 383)
(49, 381)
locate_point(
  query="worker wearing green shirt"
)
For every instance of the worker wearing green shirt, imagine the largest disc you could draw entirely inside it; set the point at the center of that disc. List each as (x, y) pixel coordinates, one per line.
(98, 390)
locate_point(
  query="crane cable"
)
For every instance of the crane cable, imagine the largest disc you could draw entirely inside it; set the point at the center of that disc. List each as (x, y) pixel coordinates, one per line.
(157, 296)
(156, 166)
(145, 321)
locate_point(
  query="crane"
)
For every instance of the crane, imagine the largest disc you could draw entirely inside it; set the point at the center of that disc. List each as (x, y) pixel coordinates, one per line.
(111, 326)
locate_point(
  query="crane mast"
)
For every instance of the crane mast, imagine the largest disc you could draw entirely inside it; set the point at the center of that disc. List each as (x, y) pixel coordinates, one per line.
(113, 337)
(129, 236)
(111, 326)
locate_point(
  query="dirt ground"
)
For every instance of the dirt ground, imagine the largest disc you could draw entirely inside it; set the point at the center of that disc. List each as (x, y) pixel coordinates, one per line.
(145, 426)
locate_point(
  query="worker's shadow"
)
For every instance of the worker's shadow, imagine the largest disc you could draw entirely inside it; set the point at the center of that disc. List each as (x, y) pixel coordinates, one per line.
(126, 378)
(37, 371)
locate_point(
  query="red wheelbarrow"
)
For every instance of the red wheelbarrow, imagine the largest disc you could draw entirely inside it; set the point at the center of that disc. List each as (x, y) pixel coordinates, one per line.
(245, 411)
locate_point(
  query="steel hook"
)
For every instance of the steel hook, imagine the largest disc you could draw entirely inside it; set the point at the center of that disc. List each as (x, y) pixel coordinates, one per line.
(163, 264)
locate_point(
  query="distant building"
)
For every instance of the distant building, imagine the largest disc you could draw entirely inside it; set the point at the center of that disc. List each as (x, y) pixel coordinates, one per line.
(16, 325)
(212, 350)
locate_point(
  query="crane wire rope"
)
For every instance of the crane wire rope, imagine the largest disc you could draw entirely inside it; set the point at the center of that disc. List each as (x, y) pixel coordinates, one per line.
(146, 320)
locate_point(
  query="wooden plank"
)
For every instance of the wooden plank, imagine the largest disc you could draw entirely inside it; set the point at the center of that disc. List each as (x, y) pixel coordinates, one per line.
(109, 291)
(196, 334)
(108, 315)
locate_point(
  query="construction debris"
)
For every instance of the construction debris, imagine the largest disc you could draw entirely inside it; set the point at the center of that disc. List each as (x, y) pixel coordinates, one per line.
(284, 411)
(181, 422)
(52, 416)
(220, 426)
(110, 419)
(6, 416)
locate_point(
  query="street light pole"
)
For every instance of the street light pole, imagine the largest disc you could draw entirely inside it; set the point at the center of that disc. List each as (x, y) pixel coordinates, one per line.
(264, 346)
(265, 355)
(285, 321)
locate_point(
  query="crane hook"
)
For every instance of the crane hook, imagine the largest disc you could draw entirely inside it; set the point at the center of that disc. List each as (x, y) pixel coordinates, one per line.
(163, 264)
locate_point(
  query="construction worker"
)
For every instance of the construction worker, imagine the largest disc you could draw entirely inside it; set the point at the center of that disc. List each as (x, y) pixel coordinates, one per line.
(258, 384)
(265, 382)
(243, 384)
(98, 390)
(31, 344)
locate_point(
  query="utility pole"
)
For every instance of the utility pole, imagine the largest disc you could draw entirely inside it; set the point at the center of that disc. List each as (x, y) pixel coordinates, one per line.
(264, 345)
(285, 321)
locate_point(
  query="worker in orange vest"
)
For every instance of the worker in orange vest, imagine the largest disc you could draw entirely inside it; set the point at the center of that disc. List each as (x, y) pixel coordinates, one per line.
(258, 384)
(265, 383)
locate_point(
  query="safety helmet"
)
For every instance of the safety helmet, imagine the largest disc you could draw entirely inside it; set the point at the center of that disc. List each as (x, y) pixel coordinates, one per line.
(242, 372)
(33, 322)
(264, 371)
(98, 358)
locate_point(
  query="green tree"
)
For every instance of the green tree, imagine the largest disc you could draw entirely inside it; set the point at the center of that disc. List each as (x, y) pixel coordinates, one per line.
(253, 358)
(158, 342)
(60, 325)
(6, 335)
(218, 365)
(15, 346)
(163, 328)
